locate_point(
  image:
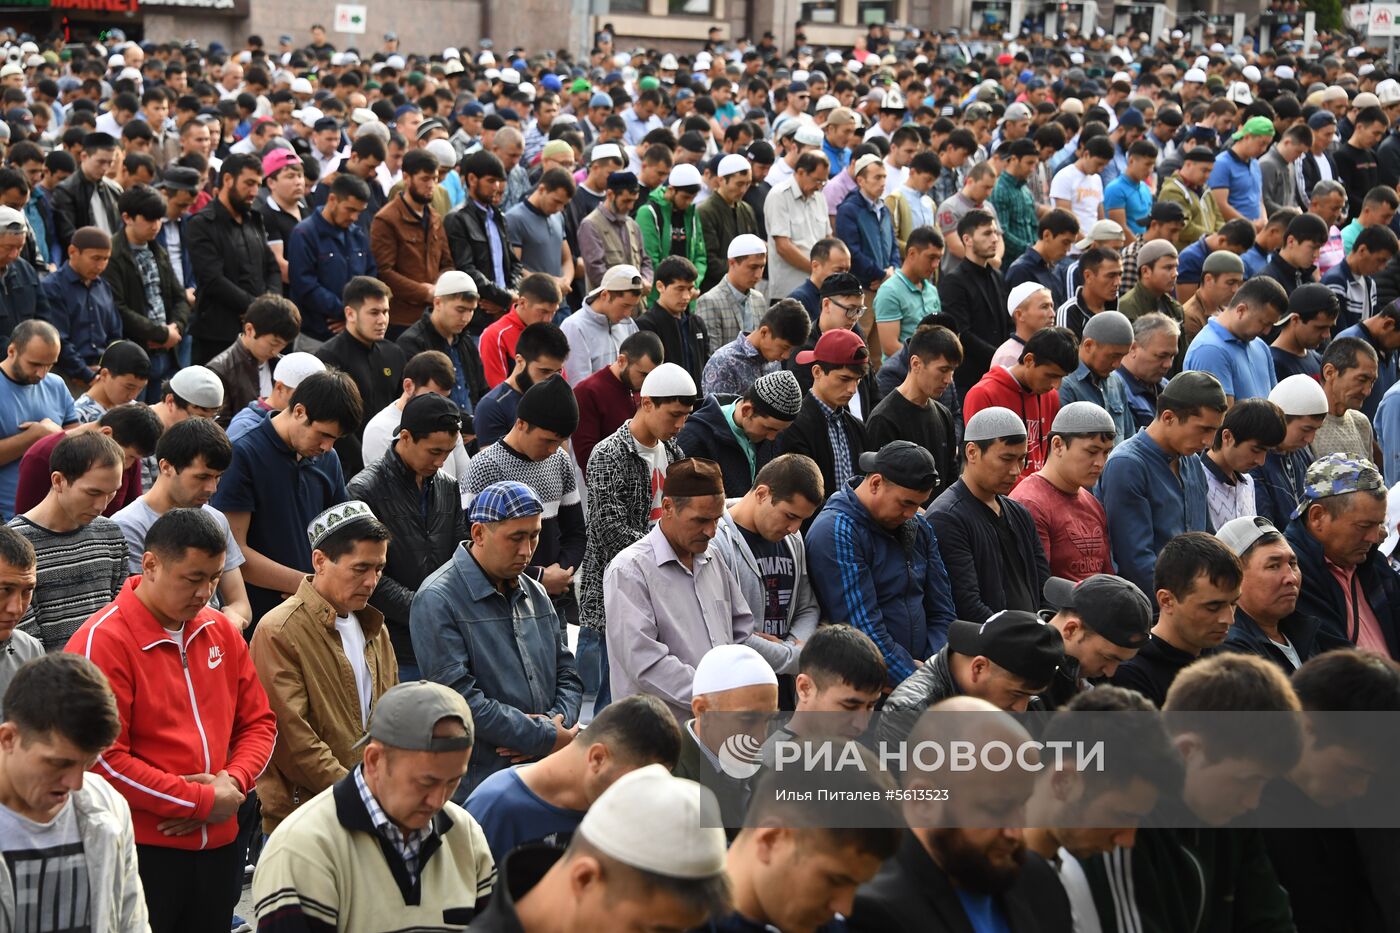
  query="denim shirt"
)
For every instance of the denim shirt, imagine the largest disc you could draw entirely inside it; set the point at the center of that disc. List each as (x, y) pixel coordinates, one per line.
(502, 652)
(321, 259)
(1083, 385)
(1148, 504)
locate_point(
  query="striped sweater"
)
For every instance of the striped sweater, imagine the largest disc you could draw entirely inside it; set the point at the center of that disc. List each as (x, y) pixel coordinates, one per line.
(79, 572)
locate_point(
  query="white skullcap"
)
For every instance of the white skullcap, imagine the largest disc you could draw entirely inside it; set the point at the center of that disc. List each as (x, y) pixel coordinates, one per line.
(731, 164)
(395, 62)
(510, 76)
(443, 151)
(1284, 72)
(1299, 394)
(294, 367)
(683, 175)
(1021, 293)
(1083, 418)
(746, 244)
(807, 135)
(668, 381)
(1251, 74)
(826, 102)
(457, 282)
(606, 151)
(452, 52)
(302, 86)
(992, 423)
(658, 823)
(1195, 76)
(729, 667)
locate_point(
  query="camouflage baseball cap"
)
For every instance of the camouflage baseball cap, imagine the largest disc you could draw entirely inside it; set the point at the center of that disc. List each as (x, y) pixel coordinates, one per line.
(1338, 475)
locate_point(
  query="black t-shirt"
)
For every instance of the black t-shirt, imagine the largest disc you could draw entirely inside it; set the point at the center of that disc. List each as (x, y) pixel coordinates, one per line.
(1019, 583)
(931, 427)
(776, 566)
(679, 244)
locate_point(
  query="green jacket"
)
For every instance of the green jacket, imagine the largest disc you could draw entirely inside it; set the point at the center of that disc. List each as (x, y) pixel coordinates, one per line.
(1190, 881)
(654, 217)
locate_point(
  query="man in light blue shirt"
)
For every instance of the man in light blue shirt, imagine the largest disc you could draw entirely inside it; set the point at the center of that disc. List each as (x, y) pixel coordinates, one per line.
(34, 401)
(1232, 347)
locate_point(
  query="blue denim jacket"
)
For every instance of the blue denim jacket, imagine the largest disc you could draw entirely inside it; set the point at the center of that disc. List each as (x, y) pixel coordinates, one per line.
(1083, 386)
(21, 298)
(1148, 504)
(320, 260)
(503, 653)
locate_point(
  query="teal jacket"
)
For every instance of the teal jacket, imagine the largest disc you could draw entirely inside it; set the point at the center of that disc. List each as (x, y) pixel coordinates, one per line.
(654, 217)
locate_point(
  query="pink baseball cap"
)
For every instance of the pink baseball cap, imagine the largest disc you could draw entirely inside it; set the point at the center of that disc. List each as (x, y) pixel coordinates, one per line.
(278, 159)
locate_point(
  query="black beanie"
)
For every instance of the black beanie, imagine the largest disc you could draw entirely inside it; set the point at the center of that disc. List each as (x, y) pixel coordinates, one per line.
(550, 405)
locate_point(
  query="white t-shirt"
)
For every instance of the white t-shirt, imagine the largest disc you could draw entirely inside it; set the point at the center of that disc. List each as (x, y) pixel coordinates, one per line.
(1083, 192)
(264, 380)
(1289, 652)
(655, 457)
(352, 640)
(48, 869)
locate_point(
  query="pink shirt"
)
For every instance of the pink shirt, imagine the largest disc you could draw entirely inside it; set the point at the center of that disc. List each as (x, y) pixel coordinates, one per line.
(1368, 628)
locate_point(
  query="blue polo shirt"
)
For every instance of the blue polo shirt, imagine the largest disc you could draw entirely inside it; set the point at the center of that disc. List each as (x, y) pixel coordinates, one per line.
(283, 493)
(1245, 370)
(25, 402)
(1134, 197)
(1254, 259)
(1244, 180)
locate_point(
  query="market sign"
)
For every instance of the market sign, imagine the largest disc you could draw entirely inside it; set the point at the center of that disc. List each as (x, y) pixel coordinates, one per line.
(96, 6)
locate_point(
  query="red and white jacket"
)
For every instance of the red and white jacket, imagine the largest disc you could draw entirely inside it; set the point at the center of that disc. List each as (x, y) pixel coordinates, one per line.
(197, 710)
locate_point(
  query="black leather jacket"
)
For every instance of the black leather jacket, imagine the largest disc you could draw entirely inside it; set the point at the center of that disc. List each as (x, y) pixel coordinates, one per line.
(419, 546)
(471, 251)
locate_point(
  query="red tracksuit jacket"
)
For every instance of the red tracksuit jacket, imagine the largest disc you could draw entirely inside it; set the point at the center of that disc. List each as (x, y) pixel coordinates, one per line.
(999, 388)
(201, 712)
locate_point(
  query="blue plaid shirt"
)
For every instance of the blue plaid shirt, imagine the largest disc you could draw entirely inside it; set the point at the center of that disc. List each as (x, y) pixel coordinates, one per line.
(408, 846)
(840, 446)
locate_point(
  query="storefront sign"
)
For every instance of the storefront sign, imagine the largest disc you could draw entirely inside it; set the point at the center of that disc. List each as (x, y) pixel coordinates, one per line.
(221, 7)
(96, 6)
(350, 18)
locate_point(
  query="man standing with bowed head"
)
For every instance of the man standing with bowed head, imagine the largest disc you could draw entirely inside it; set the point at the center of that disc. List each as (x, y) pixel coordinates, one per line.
(385, 845)
(1106, 340)
(874, 558)
(488, 630)
(443, 327)
(649, 854)
(669, 598)
(734, 305)
(1153, 486)
(597, 330)
(1103, 620)
(196, 726)
(34, 401)
(1232, 345)
(17, 578)
(322, 713)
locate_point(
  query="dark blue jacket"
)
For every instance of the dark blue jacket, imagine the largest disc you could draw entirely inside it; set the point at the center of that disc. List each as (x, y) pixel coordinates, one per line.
(891, 585)
(320, 260)
(707, 434)
(21, 298)
(1323, 599)
(1278, 485)
(1030, 266)
(870, 238)
(86, 317)
(1246, 637)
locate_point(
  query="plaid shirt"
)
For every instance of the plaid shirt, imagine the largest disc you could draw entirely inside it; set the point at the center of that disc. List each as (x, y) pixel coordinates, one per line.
(408, 846)
(726, 313)
(840, 446)
(1130, 266)
(947, 184)
(1015, 209)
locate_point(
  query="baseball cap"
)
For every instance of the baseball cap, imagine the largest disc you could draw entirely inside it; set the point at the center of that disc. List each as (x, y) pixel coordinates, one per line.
(294, 367)
(1167, 212)
(1101, 232)
(406, 714)
(502, 502)
(1015, 640)
(655, 822)
(836, 348)
(619, 278)
(842, 116)
(1109, 605)
(12, 221)
(1239, 534)
(198, 386)
(429, 413)
(278, 159)
(1337, 475)
(1255, 126)
(903, 463)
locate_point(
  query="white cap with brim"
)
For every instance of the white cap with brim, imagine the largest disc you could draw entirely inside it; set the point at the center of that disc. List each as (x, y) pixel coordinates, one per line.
(1239, 534)
(1101, 232)
(652, 821)
(992, 423)
(668, 380)
(618, 278)
(1299, 394)
(746, 244)
(730, 667)
(294, 367)
(12, 221)
(455, 282)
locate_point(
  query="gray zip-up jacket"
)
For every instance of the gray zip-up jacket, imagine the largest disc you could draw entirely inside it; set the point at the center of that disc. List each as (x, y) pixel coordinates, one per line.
(803, 611)
(109, 846)
(1280, 184)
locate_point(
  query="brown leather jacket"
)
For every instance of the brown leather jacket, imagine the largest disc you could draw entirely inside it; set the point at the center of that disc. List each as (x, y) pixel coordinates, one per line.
(299, 659)
(237, 369)
(409, 259)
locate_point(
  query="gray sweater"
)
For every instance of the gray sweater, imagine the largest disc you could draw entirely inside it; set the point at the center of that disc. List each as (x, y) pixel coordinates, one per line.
(1280, 186)
(16, 650)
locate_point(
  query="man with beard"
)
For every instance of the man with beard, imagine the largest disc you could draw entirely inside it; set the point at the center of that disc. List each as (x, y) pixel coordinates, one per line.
(1074, 815)
(477, 232)
(1203, 876)
(227, 245)
(409, 242)
(945, 876)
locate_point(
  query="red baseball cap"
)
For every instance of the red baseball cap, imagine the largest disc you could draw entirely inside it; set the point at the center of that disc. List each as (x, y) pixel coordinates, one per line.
(278, 159)
(836, 348)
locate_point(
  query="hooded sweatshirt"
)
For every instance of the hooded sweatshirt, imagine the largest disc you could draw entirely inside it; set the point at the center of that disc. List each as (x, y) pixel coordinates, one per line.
(1000, 388)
